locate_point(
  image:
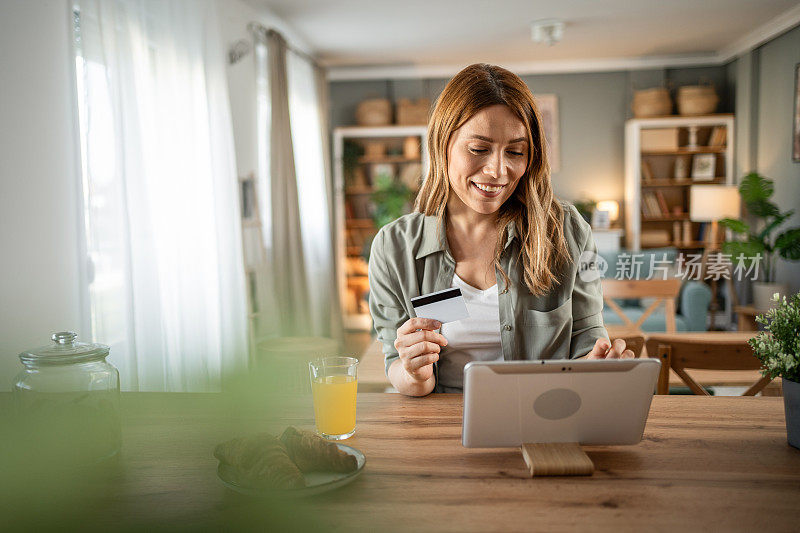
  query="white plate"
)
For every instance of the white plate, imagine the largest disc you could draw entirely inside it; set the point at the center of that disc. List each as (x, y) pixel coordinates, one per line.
(316, 482)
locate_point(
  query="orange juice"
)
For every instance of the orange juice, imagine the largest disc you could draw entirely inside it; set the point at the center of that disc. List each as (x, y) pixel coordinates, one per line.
(335, 404)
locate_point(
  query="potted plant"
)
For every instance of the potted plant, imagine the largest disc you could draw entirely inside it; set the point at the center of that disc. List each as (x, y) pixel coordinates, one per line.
(778, 349)
(756, 191)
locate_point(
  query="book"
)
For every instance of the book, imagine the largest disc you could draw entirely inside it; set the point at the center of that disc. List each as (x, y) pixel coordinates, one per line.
(718, 136)
(662, 203)
(647, 172)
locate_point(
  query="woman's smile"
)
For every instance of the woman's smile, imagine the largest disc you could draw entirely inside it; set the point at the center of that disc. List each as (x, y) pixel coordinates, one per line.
(489, 190)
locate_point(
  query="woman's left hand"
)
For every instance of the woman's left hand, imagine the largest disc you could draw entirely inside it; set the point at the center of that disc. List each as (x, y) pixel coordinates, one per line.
(606, 350)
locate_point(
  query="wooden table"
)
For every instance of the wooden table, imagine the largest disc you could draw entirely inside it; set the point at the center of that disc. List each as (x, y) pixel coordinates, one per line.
(704, 464)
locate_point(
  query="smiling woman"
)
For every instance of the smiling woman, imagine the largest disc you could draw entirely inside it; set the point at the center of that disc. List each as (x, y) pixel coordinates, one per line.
(487, 222)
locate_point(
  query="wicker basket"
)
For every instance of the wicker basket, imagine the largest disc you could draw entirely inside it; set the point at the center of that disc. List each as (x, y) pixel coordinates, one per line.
(651, 102)
(697, 100)
(411, 113)
(375, 112)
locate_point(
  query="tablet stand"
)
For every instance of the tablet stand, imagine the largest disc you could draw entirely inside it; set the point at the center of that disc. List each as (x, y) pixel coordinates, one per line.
(556, 459)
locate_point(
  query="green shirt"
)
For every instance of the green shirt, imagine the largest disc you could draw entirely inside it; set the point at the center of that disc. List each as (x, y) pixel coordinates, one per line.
(410, 257)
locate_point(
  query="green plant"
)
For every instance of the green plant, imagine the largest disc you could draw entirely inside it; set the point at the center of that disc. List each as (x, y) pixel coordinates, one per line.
(585, 208)
(778, 348)
(755, 191)
(391, 199)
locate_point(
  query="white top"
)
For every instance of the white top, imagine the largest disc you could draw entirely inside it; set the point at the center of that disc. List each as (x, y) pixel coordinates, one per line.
(476, 338)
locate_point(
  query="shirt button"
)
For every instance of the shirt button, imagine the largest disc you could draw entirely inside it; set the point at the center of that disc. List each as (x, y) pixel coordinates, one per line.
(507, 327)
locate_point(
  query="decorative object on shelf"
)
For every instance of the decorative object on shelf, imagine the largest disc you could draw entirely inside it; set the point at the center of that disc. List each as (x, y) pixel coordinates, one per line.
(391, 200)
(411, 147)
(704, 167)
(697, 100)
(659, 140)
(777, 349)
(681, 169)
(374, 149)
(652, 238)
(413, 112)
(548, 109)
(755, 191)
(651, 102)
(374, 112)
(796, 129)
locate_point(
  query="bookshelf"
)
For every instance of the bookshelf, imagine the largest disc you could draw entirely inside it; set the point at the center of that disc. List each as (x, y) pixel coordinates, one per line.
(362, 154)
(664, 157)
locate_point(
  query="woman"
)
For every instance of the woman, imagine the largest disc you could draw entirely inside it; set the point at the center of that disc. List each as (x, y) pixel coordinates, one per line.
(486, 221)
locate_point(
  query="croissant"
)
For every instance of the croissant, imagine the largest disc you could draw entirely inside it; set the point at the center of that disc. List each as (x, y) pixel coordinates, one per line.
(313, 453)
(260, 461)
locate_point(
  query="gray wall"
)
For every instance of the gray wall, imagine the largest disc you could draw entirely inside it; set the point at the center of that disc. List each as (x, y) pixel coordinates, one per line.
(771, 132)
(592, 110)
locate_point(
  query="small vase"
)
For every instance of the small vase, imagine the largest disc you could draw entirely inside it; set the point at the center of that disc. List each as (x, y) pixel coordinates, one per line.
(791, 404)
(762, 294)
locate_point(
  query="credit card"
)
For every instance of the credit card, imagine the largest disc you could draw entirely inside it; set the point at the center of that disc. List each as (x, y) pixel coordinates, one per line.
(445, 306)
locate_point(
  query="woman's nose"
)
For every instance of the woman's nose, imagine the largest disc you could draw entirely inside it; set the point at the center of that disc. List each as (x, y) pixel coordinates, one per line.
(495, 167)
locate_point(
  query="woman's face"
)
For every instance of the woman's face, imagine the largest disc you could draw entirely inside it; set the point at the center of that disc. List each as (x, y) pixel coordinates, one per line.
(486, 157)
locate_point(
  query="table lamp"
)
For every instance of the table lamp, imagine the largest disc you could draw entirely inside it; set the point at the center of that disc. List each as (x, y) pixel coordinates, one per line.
(607, 206)
(710, 203)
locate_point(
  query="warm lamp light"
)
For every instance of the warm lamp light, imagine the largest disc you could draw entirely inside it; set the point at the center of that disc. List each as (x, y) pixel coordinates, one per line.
(611, 207)
(710, 203)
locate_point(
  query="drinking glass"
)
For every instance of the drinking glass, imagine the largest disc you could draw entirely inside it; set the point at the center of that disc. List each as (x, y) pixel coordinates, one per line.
(334, 382)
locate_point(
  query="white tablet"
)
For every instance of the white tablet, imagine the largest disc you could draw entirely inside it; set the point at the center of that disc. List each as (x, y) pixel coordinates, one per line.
(508, 403)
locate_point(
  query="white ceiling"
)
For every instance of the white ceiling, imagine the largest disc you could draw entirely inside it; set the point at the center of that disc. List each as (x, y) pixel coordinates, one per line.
(419, 36)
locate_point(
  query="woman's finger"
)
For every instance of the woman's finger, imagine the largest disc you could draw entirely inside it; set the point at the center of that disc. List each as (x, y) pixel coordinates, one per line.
(422, 360)
(599, 349)
(413, 324)
(628, 354)
(419, 349)
(617, 347)
(410, 339)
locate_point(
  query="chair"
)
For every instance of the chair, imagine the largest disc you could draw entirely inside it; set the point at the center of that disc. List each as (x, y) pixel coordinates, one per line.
(664, 291)
(716, 350)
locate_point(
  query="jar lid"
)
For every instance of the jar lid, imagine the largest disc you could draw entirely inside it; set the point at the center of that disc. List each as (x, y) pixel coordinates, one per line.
(65, 349)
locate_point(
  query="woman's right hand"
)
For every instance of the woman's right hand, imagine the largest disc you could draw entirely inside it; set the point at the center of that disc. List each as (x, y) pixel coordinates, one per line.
(419, 345)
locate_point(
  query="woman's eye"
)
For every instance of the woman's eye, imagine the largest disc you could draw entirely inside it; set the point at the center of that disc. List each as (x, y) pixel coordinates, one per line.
(514, 153)
(477, 150)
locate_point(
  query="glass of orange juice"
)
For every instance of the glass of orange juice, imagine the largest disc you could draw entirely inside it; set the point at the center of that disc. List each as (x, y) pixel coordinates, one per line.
(334, 383)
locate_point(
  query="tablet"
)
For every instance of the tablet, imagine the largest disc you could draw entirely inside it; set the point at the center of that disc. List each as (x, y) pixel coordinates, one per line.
(508, 403)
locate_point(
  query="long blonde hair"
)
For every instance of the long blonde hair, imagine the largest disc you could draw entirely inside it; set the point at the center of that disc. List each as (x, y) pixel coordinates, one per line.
(536, 212)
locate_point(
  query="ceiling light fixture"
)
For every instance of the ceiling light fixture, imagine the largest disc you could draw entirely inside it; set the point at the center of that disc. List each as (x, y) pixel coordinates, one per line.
(547, 31)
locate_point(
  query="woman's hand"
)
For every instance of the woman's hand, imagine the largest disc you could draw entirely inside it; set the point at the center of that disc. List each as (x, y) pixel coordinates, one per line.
(419, 349)
(607, 350)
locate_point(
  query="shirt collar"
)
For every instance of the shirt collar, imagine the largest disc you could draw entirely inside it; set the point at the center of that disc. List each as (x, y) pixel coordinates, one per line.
(433, 241)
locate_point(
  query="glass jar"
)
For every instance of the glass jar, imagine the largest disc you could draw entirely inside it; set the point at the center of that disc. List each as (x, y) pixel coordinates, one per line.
(68, 394)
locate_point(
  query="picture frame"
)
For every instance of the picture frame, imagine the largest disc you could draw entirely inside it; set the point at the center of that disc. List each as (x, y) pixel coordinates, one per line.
(548, 109)
(704, 167)
(796, 128)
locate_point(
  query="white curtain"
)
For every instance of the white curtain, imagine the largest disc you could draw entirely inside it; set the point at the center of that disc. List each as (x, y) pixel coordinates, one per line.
(161, 207)
(299, 182)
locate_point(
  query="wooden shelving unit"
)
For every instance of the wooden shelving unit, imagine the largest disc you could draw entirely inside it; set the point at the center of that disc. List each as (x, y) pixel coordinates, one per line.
(650, 175)
(354, 204)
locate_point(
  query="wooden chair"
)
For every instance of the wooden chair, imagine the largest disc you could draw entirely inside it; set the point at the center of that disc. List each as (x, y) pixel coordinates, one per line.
(664, 291)
(716, 350)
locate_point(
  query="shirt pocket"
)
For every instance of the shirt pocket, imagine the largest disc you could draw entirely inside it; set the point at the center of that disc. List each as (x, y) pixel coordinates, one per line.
(547, 334)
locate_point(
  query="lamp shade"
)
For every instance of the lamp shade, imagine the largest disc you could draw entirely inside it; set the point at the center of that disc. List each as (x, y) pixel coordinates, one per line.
(709, 203)
(611, 206)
